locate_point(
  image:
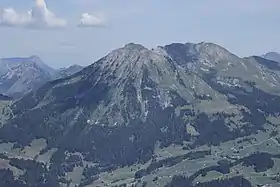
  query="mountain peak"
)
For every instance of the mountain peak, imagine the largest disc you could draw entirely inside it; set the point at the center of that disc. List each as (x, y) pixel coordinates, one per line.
(272, 53)
(134, 46)
(13, 62)
(211, 48)
(195, 48)
(35, 57)
(274, 56)
(127, 60)
(209, 54)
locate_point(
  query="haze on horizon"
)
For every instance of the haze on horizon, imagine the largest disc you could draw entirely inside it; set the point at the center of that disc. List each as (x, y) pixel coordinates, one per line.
(81, 31)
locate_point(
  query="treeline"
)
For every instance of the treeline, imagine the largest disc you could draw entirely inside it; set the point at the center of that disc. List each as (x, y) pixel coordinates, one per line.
(238, 181)
(260, 161)
(168, 162)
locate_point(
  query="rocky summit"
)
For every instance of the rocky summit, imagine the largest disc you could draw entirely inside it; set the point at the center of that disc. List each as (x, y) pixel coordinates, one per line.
(177, 115)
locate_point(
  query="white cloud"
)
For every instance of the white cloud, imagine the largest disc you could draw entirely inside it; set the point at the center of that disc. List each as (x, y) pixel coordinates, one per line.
(38, 17)
(89, 20)
(10, 18)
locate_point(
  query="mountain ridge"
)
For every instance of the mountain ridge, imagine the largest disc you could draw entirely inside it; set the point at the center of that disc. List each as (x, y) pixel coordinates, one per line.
(15, 61)
(273, 56)
(134, 105)
(21, 75)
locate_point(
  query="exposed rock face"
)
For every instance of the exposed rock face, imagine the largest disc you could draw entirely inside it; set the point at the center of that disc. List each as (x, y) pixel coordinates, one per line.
(115, 112)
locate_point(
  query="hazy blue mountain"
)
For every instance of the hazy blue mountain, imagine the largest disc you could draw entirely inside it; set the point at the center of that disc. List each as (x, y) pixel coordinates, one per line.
(19, 76)
(9, 63)
(272, 56)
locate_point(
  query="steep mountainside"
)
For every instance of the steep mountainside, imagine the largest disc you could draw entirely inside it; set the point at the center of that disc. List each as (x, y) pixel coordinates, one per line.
(115, 121)
(272, 56)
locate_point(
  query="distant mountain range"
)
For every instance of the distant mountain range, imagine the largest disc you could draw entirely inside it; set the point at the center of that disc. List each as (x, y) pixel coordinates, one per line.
(19, 76)
(272, 56)
(183, 114)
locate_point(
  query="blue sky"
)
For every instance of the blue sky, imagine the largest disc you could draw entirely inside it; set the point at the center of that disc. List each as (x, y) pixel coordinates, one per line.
(244, 27)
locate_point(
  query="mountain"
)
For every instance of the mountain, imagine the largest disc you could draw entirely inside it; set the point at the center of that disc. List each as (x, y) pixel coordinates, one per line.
(65, 72)
(177, 115)
(273, 56)
(19, 76)
(9, 63)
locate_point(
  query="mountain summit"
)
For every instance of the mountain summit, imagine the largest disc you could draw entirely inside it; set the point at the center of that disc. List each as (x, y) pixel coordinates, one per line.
(272, 56)
(135, 106)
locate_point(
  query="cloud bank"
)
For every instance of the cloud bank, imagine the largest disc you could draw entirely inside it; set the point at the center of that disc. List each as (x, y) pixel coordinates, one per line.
(38, 17)
(89, 20)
